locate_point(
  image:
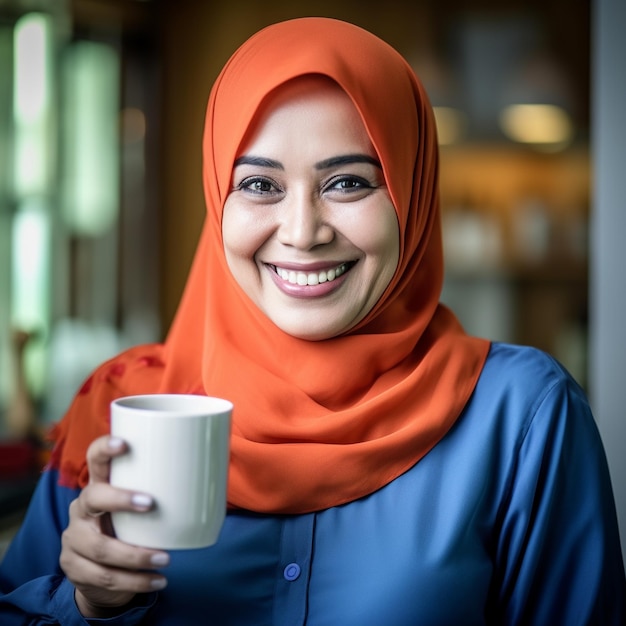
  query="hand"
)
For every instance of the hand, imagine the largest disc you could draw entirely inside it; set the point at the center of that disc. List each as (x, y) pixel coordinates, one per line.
(106, 572)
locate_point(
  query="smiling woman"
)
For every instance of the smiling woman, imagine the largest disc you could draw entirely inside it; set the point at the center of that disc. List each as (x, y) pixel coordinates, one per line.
(385, 466)
(309, 230)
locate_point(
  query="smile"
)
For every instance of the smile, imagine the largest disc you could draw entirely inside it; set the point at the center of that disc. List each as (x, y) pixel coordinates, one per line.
(311, 278)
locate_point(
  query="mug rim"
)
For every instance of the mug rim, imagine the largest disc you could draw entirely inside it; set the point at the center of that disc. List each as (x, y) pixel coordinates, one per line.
(190, 404)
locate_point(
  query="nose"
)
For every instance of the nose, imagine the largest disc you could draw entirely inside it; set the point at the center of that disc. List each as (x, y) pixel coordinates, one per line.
(303, 221)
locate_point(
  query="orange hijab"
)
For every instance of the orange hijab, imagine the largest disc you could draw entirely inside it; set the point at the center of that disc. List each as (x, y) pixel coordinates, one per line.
(316, 424)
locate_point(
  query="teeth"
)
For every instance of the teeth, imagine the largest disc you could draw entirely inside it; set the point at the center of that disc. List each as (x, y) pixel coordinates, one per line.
(311, 278)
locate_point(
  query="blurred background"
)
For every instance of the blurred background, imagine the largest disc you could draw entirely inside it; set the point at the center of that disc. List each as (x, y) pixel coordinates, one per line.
(101, 115)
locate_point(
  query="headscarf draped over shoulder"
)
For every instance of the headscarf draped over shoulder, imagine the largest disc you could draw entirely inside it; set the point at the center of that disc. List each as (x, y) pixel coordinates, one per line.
(315, 424)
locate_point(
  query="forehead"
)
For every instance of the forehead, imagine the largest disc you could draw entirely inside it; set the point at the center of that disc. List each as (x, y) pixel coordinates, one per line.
(311, 107)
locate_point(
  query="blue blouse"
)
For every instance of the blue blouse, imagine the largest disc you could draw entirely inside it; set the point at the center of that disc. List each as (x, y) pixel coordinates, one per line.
(508, 520)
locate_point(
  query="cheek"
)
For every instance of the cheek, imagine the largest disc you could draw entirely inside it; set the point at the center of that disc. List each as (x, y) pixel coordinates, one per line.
(237, 250)
(230, 228)
(239, 233)
(380, 238)
(384, 250)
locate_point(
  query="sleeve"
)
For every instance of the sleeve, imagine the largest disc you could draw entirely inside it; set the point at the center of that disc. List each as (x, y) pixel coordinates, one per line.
(33, 588)
(558, 557)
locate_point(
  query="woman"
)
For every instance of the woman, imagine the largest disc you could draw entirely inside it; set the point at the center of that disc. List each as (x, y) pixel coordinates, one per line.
(386, 468)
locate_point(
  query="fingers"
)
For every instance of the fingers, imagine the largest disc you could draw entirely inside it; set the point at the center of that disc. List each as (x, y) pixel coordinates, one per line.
(104, 563)
(100, 497)
(86, 537)
(105, 571)
(100, 588)
(99, 455)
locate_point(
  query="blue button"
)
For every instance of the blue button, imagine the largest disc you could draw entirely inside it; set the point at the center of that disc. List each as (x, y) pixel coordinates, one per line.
(291, 572)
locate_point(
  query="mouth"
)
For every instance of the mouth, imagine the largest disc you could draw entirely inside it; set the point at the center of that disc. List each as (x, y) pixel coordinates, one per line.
(302, 279)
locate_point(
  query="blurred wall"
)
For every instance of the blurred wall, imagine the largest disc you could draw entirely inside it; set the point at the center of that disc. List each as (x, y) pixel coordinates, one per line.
(608, 260)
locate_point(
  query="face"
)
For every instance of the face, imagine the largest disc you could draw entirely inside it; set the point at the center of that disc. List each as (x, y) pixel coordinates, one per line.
(309, 229)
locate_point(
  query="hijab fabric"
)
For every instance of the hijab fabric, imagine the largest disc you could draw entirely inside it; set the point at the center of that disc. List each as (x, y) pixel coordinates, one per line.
(316, 423)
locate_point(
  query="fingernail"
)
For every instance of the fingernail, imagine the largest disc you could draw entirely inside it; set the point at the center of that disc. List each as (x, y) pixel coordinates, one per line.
(158, 583)
(141, 501)
(115, 443)
(160, 560)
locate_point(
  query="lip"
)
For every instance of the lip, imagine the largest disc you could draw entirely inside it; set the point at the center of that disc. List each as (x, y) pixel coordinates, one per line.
(308, 291)
(318, 266)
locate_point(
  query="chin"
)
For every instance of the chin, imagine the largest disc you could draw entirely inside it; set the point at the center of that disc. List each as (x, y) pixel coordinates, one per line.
(310, 336)
(309, 333)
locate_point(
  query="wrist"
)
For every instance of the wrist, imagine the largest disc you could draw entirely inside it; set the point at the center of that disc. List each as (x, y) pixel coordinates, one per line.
(92, 610)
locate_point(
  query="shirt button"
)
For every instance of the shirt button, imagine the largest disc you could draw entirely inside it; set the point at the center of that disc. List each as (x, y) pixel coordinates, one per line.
(291, 572)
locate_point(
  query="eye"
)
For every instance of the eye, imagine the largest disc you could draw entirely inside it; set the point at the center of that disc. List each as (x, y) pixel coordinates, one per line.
(347, 184)
(258, 185)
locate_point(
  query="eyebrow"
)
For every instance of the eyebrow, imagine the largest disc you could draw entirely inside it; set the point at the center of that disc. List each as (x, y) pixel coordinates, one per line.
(259, 162)
(345, 159)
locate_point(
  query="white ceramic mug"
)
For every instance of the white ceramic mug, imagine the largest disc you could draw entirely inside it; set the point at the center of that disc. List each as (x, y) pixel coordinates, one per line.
(178, 454)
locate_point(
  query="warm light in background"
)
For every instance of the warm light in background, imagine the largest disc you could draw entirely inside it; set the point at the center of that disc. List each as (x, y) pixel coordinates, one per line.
(451, 125)
(540, 124)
